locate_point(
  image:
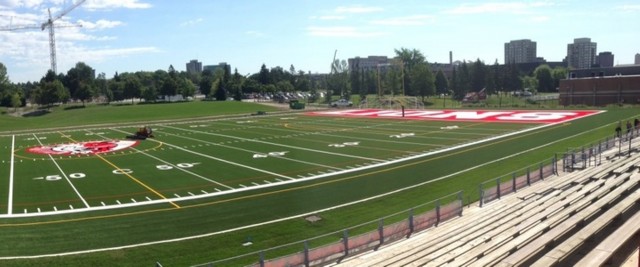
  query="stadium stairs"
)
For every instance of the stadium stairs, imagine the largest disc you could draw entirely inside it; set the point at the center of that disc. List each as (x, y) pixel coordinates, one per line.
(589, 217)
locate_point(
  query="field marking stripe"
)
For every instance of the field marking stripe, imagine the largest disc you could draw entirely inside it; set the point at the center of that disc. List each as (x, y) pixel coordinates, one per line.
(136, 180)
(130, 176)
(64, 174)
(173, 165)
(168, 163)
(10, 200)
(225, 161)
(255, 152)
(276, 144)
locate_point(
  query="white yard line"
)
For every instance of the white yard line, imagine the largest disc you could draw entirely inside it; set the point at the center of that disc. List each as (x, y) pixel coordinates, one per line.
(64, 175)
(225, 161)
(10, 201)
(254, 152)
(276, 144)
(171, 164)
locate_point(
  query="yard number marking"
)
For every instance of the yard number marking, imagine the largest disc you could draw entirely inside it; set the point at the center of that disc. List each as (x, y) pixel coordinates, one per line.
(345, 144)
(165, 167)
(402, 135)
(272, 154)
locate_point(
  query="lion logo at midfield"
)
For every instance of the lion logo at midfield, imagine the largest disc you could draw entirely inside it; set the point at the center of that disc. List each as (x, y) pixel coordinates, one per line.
(83, 148)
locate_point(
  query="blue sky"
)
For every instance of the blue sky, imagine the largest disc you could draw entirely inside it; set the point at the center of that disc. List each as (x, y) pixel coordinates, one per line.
(133, 35)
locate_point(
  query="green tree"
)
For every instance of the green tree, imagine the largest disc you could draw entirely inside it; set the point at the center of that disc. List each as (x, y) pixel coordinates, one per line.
(221, 92)
(187, 88)
(80, 81)
(206, 83)
(558, 73)
(441, 83)
(478, 76)
(16, 101)
(284, 86)
(545, 82)
(530, 83)
(102, 87)
(263, 75)
(150, 93)
(132, 87)
(422, 80)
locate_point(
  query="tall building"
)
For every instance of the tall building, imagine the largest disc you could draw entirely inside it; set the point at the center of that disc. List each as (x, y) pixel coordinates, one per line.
(637, 61)
(221, 65)
(368, 63)
(605, 59)
(194, 66)
(520, 51)
(581, 54)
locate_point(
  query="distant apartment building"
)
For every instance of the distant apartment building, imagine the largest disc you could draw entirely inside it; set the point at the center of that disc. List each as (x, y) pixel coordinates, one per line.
(581, 54)
(194, 66)
(369, 63)
(221, 65)
(605, 59)
(520, 51)
(637, 61)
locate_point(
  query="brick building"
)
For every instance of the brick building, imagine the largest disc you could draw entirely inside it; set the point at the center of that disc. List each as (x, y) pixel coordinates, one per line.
(600, 91)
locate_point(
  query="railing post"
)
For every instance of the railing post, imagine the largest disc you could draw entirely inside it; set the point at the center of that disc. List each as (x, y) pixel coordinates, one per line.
(481, 195)
(554, 163)
(437, 212)
(498, 187)
(345, 241)
(306, 253)
(629, 152)
(461, 202)
(410, 221)
(381, 231)
(528, 176)
(513, 183)
(541, 172)
(262, 258)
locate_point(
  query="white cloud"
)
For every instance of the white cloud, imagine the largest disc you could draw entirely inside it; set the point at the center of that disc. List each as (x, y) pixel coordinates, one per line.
(331, 17)
(628, 8)
(357, 9)
(20, 3)
(341, 32)
(112, 4)
(540, 19)
(503, 7)
(416, 20)
(191, 22)
(100, 24)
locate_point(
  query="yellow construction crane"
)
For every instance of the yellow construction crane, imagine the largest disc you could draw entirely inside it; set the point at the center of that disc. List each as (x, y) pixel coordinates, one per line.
(49, 24)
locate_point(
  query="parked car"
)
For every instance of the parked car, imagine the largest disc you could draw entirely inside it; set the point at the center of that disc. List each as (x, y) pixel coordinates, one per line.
(341, 103)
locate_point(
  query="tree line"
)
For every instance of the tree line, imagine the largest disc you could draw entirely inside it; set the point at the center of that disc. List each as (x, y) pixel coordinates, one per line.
(408, 73)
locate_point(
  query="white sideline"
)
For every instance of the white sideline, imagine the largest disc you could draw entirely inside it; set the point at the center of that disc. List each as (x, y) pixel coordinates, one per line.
(10, 201)
(304, 214)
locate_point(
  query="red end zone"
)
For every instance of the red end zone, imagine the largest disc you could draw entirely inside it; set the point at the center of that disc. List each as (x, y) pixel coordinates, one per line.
(511, 116)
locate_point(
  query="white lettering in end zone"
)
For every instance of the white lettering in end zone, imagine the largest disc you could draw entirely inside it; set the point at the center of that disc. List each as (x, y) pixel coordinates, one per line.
(513, 116)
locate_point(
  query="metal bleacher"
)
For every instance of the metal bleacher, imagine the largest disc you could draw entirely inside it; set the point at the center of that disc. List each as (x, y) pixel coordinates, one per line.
(554, 222)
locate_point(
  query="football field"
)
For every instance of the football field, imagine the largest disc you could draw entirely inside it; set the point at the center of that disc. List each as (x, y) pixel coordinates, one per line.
(73, 171)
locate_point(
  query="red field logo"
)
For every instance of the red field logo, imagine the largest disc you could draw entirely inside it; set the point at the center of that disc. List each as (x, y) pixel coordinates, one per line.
(528, 116)
(84, 148)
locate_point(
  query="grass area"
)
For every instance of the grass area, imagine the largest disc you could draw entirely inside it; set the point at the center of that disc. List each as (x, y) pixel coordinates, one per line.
(71, 115)
(60, 233)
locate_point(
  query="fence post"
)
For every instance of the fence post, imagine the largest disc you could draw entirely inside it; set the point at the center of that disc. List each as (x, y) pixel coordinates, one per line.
(481, 195)
(262, 258)
(513, 183)
(629, 152)
(461, 202)
(437, 212)
(381, 231)
(528, 176)
(345, 241)
(410, 222)
(541, 172)
(498, 187)
(306, 253)
(554, 163)
(564, 162)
